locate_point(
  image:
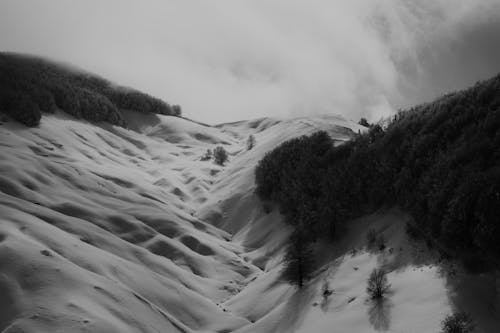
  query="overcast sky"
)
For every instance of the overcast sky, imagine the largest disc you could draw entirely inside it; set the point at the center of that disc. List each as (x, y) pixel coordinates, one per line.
(226, 60)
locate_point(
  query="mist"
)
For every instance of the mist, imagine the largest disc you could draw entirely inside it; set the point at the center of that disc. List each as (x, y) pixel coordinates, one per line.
(229, 60)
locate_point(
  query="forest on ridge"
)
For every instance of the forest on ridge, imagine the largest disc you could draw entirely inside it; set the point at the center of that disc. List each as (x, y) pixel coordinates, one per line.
(438, 161)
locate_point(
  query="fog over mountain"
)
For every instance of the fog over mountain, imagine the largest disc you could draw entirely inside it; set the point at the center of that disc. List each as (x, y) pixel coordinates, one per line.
(233, 59)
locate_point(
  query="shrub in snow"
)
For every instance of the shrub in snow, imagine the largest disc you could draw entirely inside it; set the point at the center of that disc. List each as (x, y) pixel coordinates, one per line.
(457, 323)
(207, 156)
(377, 284)
(220, 155)
(250, 142)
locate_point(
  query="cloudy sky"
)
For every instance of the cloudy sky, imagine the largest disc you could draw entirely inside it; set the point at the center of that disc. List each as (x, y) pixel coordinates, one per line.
(226, 60)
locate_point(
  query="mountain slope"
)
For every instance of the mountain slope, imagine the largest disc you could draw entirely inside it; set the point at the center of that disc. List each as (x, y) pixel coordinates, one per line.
(98, 220)
(107, 229)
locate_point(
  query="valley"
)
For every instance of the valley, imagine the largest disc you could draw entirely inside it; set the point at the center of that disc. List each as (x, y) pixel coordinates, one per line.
(107, 229)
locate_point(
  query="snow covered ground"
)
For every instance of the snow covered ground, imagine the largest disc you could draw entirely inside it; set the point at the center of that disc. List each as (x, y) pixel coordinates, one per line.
(104, 229)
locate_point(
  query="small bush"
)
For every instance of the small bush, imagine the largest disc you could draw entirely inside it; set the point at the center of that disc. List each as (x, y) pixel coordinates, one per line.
(378, 285)
(220, 155)
(250, 142)
(457, 323)
(208, 155)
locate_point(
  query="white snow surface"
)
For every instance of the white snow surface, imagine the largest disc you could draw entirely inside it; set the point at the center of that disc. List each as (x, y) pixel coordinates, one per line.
(106, 229)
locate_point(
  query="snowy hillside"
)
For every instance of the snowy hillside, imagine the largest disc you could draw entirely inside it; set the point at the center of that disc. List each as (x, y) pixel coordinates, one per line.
(106, 229)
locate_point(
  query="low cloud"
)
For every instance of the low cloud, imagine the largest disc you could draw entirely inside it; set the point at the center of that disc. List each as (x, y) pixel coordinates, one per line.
(227, 60)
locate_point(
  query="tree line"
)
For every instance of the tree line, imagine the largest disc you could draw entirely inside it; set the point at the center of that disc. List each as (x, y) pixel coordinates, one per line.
(439, 161)
(30, 86)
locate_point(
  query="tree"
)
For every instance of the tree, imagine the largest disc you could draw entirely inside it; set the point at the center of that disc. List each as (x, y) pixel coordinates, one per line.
(371, 237)
(208, 155)
(176, 110)
(298, 259)
(250, 142)
(457, 323)
(31, 86)
(19, 106)
(364, 122)
(377, 284)
(220, 155)
(439, 161)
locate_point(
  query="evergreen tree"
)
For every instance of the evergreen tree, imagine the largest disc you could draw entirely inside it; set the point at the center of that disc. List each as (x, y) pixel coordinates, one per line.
(220, 155)
(439, 161)
(41, 86)
(364, 122)
(457, 323)
(298, 259)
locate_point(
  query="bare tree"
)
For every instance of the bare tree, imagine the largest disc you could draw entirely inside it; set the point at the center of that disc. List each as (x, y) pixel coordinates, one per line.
(377, 284)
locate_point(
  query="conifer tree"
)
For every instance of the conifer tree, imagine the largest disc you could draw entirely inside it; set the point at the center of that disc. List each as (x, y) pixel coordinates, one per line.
(298, 259)
(220, 155)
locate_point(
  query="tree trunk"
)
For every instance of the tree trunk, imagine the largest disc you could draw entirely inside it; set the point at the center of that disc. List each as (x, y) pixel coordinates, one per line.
(301, 275)
(332, 230)
(497, 285)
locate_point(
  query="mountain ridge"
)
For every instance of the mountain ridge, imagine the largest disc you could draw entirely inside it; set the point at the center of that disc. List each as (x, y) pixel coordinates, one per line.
(111, 229)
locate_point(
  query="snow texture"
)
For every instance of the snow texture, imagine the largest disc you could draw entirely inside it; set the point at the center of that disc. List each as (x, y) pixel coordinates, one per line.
(106, 229)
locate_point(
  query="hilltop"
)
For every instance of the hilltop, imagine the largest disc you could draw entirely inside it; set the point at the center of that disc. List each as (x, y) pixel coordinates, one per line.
(30, 86)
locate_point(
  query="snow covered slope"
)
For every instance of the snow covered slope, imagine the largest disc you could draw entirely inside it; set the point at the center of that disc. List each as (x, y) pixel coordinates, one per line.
(104, 229)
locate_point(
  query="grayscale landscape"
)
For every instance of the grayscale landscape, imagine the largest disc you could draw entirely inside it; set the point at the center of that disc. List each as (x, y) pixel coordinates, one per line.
(240, 167)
